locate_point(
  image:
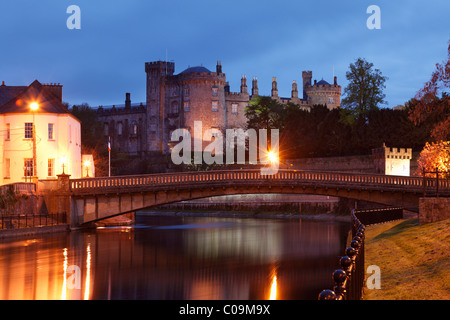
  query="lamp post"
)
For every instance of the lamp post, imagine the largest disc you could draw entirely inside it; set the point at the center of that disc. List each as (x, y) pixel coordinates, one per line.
(34, 106)
(63, 161)
(87, 163)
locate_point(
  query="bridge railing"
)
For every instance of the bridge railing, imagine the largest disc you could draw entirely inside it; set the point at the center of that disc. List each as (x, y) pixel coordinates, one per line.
(416, 184)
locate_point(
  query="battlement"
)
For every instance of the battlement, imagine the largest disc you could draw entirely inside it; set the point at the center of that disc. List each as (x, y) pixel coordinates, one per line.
(392, 153)
(160, 66)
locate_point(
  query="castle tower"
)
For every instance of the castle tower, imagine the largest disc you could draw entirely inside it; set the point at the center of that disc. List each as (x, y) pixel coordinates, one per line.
(255, 87)
(157, 73)
(294, 92)
(307, 76)
(274, 88)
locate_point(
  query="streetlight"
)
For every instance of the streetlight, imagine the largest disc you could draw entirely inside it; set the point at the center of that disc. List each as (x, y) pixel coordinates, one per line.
(63, 161)
(34, 106)
(87, 164)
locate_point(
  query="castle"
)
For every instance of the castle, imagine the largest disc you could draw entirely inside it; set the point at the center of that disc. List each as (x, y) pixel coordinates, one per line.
(175, 101)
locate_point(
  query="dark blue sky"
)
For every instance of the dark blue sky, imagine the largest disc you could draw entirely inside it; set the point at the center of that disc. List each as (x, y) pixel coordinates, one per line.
(106, 58)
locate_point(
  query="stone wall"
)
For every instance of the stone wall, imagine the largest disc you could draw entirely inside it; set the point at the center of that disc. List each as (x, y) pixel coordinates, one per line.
(433, 209)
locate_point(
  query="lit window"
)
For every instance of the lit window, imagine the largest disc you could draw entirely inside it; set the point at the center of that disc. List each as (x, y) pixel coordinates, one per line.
(50, 131)
(28, 167)
(8, 131)
(215, 106)
(234, 108)
(187, 106)
(28, 130)
(51, 167)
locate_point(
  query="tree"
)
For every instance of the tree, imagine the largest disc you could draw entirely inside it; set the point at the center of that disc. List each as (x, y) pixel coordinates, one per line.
(428, 105)
(364, 91)
(265, 113)
(435, 155)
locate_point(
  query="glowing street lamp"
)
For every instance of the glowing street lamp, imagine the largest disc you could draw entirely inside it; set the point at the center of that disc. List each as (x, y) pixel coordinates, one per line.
(87, 164)
(273, 157)
(63, 161)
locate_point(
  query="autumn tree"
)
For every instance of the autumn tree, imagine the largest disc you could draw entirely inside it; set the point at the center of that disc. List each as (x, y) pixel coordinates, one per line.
(435, 156)
(429, 105)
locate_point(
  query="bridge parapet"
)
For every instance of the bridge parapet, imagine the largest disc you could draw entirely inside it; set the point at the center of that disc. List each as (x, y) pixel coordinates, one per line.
(255, 178)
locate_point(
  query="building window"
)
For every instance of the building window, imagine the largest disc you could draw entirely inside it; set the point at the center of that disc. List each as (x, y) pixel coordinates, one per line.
(187, 106)
(330, 100)
(234, 108)
(7, 168)
(28, 167)
(51, 167)
(8, 132)
(106, 129)
(186, 92)
(119, 128)
(28, 130)
(51, 127)
(214, 91)
(215, 132)
(215, 106)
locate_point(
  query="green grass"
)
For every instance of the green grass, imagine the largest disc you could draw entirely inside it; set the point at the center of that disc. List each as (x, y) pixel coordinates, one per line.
(414, 260)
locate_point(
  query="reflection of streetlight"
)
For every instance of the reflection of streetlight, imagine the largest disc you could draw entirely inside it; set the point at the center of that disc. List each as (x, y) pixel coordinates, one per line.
(63, 161)
(34, 106)
(87, 164)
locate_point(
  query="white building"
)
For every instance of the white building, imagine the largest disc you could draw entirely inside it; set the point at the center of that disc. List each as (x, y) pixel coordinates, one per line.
(56, 146)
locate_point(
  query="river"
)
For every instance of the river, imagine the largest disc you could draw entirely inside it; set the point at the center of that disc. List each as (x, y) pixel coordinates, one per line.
(165, 257)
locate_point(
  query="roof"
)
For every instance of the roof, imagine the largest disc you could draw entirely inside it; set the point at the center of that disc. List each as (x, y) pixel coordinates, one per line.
(17, 99)
(196, 69)
(323, 83)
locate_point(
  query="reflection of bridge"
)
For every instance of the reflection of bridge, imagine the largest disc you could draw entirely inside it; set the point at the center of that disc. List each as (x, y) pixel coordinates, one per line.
(93, 199)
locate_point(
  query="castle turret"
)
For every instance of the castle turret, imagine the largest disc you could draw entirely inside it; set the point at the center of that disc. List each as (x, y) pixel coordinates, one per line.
(219, 67)
(127, 101)
(294, 92)
(307, 76)
(274, 88)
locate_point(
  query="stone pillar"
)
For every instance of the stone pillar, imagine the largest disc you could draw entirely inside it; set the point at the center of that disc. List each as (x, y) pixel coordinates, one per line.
(63, 196)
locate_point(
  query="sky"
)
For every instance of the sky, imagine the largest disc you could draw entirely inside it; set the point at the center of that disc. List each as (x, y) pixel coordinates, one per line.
(98, 63)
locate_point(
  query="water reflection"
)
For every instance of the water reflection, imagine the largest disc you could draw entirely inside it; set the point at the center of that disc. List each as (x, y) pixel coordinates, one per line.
(176, 258)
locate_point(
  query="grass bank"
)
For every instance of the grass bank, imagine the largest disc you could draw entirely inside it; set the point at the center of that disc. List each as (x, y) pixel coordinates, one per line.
(414, 260)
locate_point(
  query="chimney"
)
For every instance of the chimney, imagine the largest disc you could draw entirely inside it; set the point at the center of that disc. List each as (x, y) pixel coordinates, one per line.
(127, 100)
(219, 67)
(3, 83)
(56, 89)
(335, 81)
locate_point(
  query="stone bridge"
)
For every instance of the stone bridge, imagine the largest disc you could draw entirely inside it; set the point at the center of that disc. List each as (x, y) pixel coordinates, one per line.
(91, 199)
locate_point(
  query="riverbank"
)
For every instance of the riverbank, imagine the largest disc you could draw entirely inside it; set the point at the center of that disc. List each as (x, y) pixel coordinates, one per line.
(33, 231)
(414, 260)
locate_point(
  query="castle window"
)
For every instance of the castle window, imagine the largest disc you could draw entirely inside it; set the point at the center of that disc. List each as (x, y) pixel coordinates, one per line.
(187, 106)
(106, 129)
(51, 131)
(234, 108)
(28, 130)
(215, 106)
(214, 91)
(119, 128)
(186, 92)
(330, 100)
(174, 107)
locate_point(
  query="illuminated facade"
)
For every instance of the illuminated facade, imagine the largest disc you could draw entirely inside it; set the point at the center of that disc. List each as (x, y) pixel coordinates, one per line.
(56, 145)
(392, 161)
(175, 101)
